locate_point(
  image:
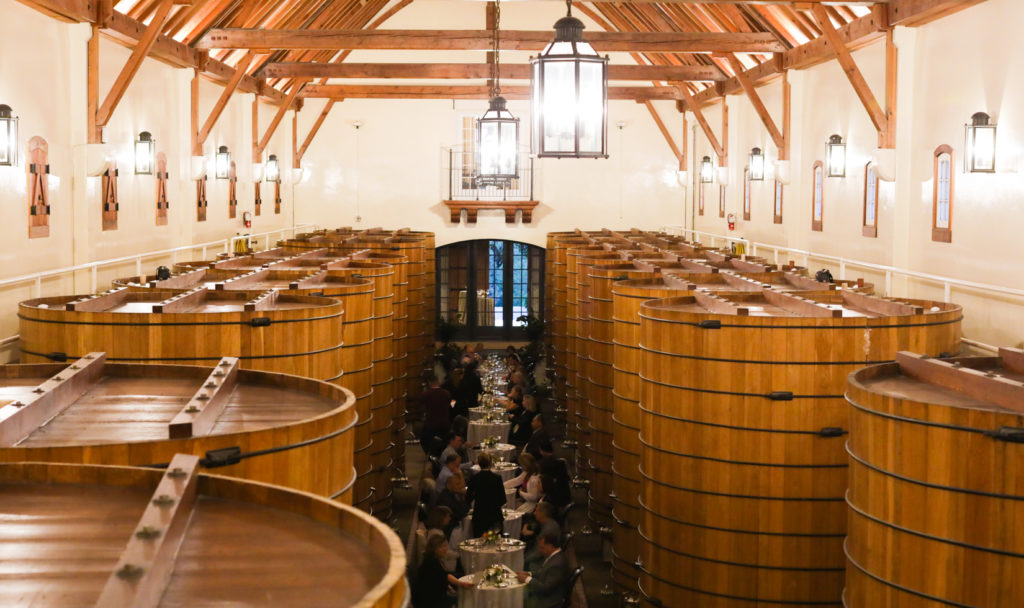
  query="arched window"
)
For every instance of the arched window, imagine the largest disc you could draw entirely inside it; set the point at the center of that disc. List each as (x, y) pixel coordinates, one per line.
(942, 197)
(818, 196)
(746, 194)
(721, 201)
(777, 207)
(870, 227)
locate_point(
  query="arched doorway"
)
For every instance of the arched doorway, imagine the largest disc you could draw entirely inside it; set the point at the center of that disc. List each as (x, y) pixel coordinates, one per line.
(487, 285)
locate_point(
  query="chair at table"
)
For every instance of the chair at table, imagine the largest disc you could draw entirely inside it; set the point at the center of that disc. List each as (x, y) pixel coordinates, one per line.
(573, 578)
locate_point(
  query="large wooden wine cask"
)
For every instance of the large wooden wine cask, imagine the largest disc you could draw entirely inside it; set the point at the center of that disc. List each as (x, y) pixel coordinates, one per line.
(267, 258)
(126, 536)
(743, 469)
(936, 496)
(627, 296)
(559, 320)
(287, 430)
(270, 331)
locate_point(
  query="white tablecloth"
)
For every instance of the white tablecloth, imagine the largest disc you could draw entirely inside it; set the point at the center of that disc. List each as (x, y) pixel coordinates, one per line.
(476, 556)
(479, 413)
(506, 470)
(500, 451)
(512, 596)
(513, 525)
(480, 430)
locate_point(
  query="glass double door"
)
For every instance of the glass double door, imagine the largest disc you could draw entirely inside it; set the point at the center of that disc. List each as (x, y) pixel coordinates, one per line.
(486, 286)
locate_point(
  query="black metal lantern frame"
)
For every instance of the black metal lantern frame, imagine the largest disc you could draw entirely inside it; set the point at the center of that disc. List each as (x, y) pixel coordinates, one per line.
(569, 93)
(145, 153)
(272, 170)
(8, 137)
(756, 165)
(223, 163)
(497, 131)
(981, 144)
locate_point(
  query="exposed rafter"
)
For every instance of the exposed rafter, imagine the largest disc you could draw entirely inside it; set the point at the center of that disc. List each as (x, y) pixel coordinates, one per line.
(340, 91)
(480, 40)
(680, 73)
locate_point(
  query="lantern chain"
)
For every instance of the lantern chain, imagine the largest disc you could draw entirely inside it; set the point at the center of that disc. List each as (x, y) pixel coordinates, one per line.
(496, 42)
(568, 8)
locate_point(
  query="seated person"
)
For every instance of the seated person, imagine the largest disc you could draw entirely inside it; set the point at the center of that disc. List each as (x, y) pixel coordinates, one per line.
(544, 523)
(453, 496)
(537, 436)
(432, 579)
(438, 518)
(555, 473)
(550, 583)
(527, 484)
(522, 424)
(451, 467)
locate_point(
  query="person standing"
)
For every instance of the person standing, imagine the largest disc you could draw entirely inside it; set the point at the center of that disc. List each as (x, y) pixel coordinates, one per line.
(437, 404)
(485, 492)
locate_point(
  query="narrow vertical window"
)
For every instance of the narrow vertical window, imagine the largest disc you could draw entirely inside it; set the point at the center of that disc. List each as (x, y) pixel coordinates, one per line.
(746, 194)
(777, 208)
(870, 227)
(818, 197)
(942, 198)
(721, 201)
(700, 199)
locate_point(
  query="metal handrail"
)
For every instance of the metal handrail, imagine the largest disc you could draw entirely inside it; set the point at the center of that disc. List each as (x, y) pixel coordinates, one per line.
(93, 267)
(948, 283)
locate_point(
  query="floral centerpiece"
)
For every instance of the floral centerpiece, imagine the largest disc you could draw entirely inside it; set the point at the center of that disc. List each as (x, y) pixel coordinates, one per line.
(489, 442)
(498, 575)
(491, 537)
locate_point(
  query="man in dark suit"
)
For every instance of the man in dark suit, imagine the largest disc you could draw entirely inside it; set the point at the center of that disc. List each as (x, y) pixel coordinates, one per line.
(550, 584)
(537, 437)
(486, 493)
(545, 524)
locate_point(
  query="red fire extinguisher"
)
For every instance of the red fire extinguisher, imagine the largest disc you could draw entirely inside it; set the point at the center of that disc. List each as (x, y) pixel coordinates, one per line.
(247, 219)
(732, 221)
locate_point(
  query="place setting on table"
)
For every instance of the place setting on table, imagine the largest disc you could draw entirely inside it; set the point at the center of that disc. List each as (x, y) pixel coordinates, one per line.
(504, 469)
(512, 525)
(481, 430)
(499, 450)
(496, 586)
(493, 548)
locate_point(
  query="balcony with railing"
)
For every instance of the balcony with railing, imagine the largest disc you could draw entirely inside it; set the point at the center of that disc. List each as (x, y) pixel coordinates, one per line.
(462, 191)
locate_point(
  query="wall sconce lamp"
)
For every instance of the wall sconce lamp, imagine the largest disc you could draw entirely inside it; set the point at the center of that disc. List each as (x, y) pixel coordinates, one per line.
(8, 137)
(707, 171)
(145, 153)
(756, 165)
(223, 163)
(836, 156)
(272, 170)
(981, 144)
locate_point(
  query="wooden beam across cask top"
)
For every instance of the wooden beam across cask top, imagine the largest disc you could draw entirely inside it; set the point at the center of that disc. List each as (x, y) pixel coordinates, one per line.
(145, 566)
(18, 419)
(678, 73)
(973, 383)
(482, 40)
(801, 306)
(205, 407)
(344, 91)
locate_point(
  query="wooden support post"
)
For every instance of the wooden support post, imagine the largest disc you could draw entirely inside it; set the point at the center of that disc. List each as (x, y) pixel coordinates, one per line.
(204, 408)
(131, 67)
(701, 120)
(197, 146)
(755, 100)
(147, 562)
(316, 127)
(225, 96)
(296, 161)
(95, 134)
(888, 139)
(683, 164)
(853, 74)
(278, 116)
(256, 155)
(20, 419)
(664, 131)
(723, 159)
(786, 116)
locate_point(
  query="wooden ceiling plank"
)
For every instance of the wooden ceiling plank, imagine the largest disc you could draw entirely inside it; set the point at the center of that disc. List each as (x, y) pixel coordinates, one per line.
(687, 42)
(338, 92)
(475, 70)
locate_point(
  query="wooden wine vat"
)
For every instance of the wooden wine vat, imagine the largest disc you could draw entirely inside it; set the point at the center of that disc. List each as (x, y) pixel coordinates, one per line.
(267, 427)
(261, 259)
(743, 470)
(128, 536)
(936, 491)
(627, 296)
(270, 331)
(559, 320)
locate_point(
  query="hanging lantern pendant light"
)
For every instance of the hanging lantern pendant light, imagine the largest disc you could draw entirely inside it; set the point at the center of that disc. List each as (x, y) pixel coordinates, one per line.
(497, 131)
(569, 90)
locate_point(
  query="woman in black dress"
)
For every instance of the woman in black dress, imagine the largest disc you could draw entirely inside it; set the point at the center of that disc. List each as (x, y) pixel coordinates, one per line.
(432, 580)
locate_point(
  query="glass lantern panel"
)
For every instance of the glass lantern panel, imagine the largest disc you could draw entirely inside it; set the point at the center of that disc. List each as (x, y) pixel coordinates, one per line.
(5, 141)
(143, 157)
(591, 107)
(584, 48)
(837, 160)
(984, 149)
(558, 48)
(756, 166)
(490, 148)
(559, 109)
(222, 165)
(509, 144)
